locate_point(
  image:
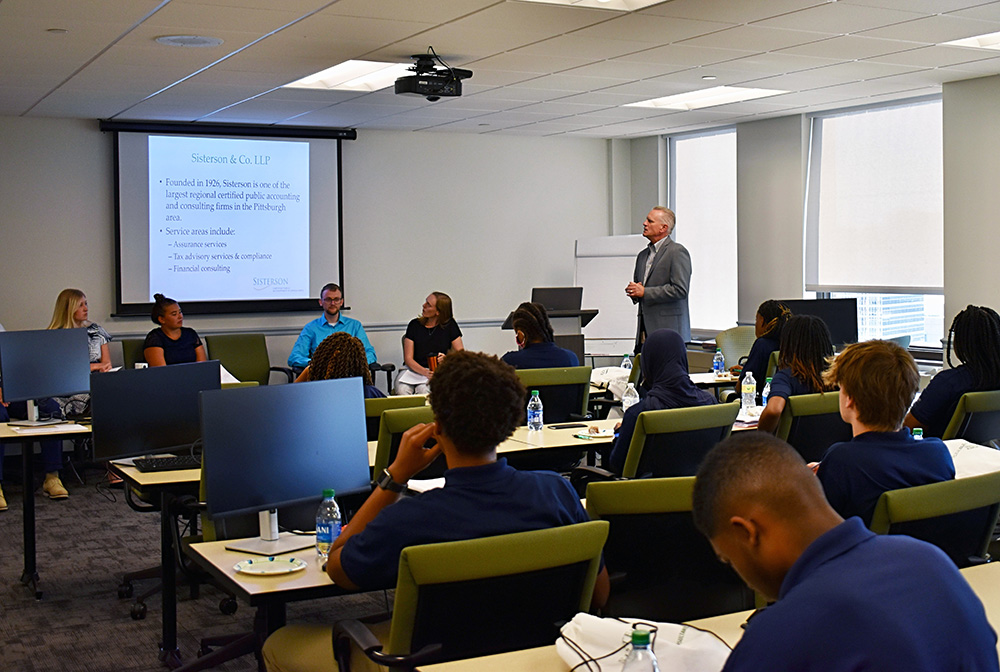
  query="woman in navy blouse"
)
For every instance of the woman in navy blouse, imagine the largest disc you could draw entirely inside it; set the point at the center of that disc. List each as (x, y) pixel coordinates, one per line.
(172, 342)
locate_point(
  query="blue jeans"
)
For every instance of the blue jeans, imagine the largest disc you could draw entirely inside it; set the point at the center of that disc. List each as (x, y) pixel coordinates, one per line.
(51, 448)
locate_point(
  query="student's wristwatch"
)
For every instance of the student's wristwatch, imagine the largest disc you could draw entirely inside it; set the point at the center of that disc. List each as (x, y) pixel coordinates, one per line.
(386, 483)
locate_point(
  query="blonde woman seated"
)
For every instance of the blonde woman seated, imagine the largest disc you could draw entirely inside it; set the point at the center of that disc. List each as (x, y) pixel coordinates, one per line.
(428, 338)
(341, 355)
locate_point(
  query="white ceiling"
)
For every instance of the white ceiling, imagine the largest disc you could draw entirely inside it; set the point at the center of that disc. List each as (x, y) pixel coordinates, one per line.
(540, 69)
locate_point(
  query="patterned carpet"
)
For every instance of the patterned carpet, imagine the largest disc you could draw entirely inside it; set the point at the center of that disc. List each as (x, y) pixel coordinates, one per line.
(85, 544)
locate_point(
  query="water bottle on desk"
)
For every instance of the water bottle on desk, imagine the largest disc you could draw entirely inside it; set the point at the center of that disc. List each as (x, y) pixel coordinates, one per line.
(766, 392)
(627, 363)
(719, 364)
(534, 411)
(641, 658)
(327, 524)
(748, 399)
(630, 397)
(918, 434)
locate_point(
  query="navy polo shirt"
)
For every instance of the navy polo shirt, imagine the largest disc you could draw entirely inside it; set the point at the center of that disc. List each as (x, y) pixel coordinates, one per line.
(938, 401)
(475, 502)
(541, 356)
(855, 473)
(180, 351)
(855, 601)
(784, 385)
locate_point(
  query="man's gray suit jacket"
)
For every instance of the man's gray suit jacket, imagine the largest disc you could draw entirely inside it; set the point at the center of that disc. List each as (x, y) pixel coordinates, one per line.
(665, 304)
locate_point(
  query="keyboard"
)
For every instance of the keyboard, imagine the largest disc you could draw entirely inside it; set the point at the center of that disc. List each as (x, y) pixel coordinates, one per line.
(172, 463)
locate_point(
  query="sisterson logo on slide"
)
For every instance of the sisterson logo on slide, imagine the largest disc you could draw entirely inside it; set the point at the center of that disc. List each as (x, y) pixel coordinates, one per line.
(264, 283)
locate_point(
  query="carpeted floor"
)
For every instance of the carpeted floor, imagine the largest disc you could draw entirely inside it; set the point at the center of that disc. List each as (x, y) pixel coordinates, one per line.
(85, 544)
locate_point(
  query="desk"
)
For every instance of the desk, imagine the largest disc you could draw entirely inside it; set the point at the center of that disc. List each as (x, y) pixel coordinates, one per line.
(166, 485)
(984, 579)
(29, 577)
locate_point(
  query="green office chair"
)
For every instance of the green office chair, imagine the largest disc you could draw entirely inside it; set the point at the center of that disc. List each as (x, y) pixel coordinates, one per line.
(673, 575)
(958, 516)
(564, 391)
(772, 363)
(665, 443)
(976, 418)
(245, 356)
(476, 597)
(132, 351)
(376, 406)
(394, 422)
(735, 344)
(811, 423)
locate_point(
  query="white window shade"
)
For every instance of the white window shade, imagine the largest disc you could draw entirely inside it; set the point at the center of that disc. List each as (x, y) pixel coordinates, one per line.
(874, 220)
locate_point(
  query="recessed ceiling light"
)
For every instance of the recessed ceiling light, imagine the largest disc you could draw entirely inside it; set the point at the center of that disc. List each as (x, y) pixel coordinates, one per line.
(988, 41)
(617, 5)
(709, 78)
(57, 31)
(717, 95)
(195, 41)
(354, 76)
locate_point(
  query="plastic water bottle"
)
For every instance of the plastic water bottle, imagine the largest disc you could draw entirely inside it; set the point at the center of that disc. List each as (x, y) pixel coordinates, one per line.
(748, 399)
(918, 434)
(627, 363)
(534, 411)
(766, 392)
(327, 523)
(630, 397)
(719, 363)
(641, 658)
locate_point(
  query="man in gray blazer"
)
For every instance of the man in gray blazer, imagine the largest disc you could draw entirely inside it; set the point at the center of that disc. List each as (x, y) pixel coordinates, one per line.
(661, 279)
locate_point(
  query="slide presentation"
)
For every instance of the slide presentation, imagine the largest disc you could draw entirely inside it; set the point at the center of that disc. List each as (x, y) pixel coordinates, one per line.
(228, 219)
(227, 222)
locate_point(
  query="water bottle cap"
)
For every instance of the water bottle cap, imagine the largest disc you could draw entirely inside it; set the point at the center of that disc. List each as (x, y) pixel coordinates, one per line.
(718, 349)
(769, 379)
(640, 638)
(328, 493)
(534, 393)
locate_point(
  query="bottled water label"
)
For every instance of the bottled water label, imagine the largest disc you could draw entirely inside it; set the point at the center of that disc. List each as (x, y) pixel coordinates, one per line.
(326, 532)
(534, 419)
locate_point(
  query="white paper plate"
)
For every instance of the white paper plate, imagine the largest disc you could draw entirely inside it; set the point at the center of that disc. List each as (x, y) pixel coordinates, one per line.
(268, 566)
(599, 434)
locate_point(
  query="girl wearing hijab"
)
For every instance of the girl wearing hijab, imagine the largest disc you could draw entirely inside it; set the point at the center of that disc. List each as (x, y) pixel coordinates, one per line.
(665, 371)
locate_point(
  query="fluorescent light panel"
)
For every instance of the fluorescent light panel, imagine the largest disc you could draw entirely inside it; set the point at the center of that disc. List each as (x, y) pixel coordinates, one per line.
(616, 5)
(988, 41)
(718, 95)
(354, 76)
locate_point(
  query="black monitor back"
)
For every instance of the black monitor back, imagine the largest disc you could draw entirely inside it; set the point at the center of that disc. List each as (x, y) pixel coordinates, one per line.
(281, 445)
(44, 363)
(840, 316)
(558, 298)
(140, 411)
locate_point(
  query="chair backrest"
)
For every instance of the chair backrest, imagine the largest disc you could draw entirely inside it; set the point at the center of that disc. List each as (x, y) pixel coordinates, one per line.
(376, 406)
(811, 423)
(243, 355)
(674, 441)
(735, 343)
(976, 418)
(636, 369)
(394, 422)
(958, 516)
(502, 593)
(564, 391)
(772, 363)
(132, 351)
(661, 567)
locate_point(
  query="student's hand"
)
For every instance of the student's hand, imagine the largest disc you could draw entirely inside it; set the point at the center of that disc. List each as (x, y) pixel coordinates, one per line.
(102, 367)
(814, 466)
(412, 457)
(618, 426)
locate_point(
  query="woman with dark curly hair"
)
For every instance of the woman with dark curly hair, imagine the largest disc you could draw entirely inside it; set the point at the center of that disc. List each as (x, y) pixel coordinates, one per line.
(975, 333)
(341, 355)
(535, 341)
(771, 318)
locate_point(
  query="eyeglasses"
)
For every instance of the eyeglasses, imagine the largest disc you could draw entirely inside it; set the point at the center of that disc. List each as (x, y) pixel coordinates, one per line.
(329, 300)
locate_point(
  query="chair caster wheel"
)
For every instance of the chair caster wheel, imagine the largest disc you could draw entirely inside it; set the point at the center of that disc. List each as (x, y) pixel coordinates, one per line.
(124, 591)
(138, 611)
(228, 606)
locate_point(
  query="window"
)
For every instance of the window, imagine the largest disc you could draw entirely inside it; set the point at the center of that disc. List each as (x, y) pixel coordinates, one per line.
(875, 217)
(702, 192)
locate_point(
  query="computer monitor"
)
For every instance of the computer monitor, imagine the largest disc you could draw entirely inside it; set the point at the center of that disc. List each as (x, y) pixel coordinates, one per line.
(840, 315)
(558, 298)
(152, 410)
(43, 363)
(278, 446)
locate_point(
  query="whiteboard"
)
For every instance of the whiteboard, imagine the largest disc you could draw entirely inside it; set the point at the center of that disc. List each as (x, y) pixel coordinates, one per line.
(604, 267)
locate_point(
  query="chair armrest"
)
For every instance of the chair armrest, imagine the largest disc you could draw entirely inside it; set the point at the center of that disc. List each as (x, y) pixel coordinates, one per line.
(130, 495)
(375, 367)
(581, 476)
(576, 417)
(285, 370)
(345, 632)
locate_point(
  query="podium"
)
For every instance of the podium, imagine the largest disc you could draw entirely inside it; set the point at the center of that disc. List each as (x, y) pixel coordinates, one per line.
(563, 305)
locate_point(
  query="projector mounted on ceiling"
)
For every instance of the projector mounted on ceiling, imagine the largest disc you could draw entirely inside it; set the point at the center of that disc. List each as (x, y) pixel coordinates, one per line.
(434, 79)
